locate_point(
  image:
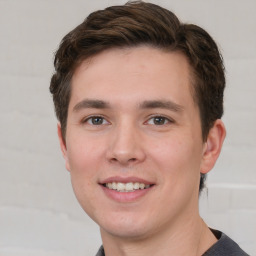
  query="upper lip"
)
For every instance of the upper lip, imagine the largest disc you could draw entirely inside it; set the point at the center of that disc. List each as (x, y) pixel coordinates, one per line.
(126, 180)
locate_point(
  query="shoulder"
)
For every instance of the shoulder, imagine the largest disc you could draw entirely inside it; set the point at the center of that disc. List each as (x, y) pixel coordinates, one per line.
(224, 246)
(100, 252)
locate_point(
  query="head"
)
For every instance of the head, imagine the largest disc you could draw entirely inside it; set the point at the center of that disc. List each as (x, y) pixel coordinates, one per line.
(136, 24)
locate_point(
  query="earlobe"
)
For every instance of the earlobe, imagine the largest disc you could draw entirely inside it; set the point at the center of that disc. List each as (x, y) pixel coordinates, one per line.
(63, 146)
(213, 146)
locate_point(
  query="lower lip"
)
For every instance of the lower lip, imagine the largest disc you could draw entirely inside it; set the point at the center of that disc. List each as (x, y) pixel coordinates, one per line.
(126, 196)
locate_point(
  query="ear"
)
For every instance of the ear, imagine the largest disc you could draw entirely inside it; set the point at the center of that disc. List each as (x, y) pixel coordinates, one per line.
(213, 146)
(63, 146)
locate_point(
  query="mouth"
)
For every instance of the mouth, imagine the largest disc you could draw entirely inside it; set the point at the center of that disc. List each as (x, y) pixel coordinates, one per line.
(126, 187)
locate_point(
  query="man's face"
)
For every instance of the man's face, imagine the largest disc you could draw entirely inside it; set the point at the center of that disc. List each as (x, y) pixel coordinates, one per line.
(132, 123)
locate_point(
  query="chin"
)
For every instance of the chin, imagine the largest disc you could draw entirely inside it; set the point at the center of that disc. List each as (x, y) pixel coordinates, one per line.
(125, 227)
(127, 232)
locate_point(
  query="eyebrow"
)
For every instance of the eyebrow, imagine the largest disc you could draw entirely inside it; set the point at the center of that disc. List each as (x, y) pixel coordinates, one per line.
(90, 103)
(164, 104)
(148, 104)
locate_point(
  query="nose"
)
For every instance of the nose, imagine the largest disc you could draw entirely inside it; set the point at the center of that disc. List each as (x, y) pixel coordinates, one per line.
(126, 145)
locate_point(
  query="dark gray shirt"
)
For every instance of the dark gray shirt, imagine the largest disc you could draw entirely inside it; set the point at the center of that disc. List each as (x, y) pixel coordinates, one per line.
(225, 246)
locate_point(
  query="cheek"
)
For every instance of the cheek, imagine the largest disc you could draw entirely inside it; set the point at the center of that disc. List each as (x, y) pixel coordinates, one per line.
(84, 159)
(178, 162)
(83, 154)
(177, 158)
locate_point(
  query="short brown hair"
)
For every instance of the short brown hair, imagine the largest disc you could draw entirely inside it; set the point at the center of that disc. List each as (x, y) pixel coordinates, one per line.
(138, 23)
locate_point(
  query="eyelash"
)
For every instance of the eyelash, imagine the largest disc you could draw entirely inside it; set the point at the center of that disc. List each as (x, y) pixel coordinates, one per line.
(166, 120)
(104, 121)
(86, 120)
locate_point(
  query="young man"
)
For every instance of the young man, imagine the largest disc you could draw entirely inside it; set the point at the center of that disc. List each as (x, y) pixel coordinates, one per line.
(139, 97)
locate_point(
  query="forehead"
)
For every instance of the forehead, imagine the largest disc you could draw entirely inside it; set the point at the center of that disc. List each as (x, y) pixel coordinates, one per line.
(132, 71)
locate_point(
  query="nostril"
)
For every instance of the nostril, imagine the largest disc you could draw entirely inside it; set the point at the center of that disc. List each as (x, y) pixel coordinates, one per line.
(131, 160)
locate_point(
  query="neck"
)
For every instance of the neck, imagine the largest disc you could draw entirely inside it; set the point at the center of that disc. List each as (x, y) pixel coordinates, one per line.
(186, 237)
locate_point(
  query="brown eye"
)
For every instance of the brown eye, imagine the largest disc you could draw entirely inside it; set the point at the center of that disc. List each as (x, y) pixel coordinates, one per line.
(158, 120)
(96, 120)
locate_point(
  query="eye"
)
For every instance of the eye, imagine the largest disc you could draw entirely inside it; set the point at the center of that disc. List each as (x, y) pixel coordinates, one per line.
(159, 120)
(95, 120)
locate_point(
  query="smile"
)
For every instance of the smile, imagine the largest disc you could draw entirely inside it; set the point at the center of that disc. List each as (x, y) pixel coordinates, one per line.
(126, 187)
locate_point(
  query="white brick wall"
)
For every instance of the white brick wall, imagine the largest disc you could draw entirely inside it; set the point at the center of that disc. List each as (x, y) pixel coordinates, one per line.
(38, 212)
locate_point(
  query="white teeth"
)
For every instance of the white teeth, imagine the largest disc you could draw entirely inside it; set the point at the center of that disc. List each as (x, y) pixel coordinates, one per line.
(129, 186)
(120, 186)
(126, 187)
(136, 185)
(142, 186)
(113, 185)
